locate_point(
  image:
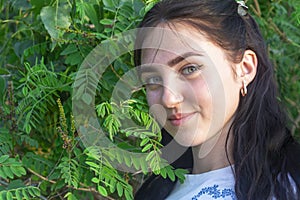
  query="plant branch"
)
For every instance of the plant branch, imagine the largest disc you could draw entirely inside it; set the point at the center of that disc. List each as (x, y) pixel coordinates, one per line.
(40, 176)
(256, 9)
(281, 34)
(90, 189)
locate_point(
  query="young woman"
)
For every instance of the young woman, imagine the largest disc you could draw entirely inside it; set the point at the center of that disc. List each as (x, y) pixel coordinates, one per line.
(210, 84)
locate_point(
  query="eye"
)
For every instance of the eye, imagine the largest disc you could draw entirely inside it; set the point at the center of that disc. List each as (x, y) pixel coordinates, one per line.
(190, 69)
(153, 80)
(153, 83)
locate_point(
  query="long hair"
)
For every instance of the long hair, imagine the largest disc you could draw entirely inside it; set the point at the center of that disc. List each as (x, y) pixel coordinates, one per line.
(266, 157)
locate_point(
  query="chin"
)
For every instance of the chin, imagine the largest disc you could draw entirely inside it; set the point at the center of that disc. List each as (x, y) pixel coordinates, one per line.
(188, 143)
(187, 140)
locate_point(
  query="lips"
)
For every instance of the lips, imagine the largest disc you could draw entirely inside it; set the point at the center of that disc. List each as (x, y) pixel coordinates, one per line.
(180, 118)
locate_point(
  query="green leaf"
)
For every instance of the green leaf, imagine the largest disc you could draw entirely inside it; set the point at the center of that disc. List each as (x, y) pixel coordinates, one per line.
(18, 194)
(92, 164)
(31, 192)
(27, 128)
(2, 174)
(4, 71)
(9, 195)
(180, 174)
(90, 11)
(38, 4)
(74, 59)
(70, 196)
(36, 191)
(3, 158)
(55, 20)
(18, 171)
(106, 21)
(127, 160)
(78, 91)
(71, 48)
(144, 167)
(2, 86)
(25, 194)
(147, 147)
(144, 141)
(87, 98)
(136, 162)
(150, 155)
(95, 180)
(25, 91)
(15, 171)
(108, 3)
(171, 174)
(8, 172)
(128, 195)
(119, 189)
(102, 191)
(163, 172)
(119, 157)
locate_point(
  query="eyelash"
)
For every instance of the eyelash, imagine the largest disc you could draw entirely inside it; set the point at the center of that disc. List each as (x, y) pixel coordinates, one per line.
(158, 80)
(150, 82)
(153, 85)
(195, 68)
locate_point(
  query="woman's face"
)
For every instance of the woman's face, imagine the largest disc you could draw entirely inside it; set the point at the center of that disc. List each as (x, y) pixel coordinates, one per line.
(191, 87)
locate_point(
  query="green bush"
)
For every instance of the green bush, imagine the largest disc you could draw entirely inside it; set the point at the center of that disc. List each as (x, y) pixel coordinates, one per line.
(43, 44)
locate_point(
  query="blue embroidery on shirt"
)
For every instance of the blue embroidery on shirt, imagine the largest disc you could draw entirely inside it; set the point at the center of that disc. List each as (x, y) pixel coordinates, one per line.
(215, 193)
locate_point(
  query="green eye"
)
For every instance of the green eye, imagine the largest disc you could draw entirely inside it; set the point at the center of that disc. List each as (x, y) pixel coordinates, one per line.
(190, 69)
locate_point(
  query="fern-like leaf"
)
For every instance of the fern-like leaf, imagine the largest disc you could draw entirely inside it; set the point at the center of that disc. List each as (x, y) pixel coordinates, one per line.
(37, 163)
(10, 167)
(69, 171)
(5, 141)
(27, 193)
(40, 87)
(27, 140)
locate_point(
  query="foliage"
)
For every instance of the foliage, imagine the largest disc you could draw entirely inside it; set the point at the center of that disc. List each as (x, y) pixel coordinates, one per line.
(280, 23)
(43, 43)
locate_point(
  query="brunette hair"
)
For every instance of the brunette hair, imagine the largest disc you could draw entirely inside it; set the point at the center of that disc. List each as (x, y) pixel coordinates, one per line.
(266, 157)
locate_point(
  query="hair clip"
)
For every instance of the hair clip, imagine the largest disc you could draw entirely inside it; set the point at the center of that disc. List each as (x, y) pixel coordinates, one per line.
(242, 8)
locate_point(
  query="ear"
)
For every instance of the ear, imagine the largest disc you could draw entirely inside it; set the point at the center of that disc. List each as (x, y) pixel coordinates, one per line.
(247, 67)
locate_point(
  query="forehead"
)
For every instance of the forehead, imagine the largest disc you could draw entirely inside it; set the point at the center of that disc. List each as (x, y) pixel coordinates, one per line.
(162, 43)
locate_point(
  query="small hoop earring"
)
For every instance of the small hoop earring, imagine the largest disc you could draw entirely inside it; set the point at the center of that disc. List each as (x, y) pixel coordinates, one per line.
(244, 89)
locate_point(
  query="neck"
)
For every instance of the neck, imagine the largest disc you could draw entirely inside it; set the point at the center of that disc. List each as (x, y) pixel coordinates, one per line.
(211, 155)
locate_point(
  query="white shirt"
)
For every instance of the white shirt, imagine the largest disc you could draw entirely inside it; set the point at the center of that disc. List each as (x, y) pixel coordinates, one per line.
(216, 184)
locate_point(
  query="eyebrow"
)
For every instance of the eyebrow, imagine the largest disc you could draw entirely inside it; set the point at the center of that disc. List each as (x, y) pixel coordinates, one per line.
(171, 63)
(182, 57)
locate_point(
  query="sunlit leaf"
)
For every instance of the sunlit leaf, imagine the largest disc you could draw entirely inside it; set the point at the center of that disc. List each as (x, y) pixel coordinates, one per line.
(55, 20)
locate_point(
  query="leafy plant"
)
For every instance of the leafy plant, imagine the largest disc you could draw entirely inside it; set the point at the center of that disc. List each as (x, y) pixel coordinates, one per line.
(43, 45)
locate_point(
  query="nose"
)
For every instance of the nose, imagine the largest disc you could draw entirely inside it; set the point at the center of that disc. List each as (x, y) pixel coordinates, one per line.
(171, 97)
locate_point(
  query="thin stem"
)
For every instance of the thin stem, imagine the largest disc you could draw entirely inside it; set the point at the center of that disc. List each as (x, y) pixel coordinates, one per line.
(90, 189)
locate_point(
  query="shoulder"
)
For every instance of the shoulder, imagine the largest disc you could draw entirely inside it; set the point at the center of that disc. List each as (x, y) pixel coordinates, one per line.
(155, 187)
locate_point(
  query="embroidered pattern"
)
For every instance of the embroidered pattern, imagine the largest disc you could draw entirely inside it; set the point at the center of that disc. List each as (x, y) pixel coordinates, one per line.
(215, 193)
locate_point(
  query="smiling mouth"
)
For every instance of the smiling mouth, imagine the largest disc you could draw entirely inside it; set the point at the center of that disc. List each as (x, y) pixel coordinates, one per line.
(180, 119)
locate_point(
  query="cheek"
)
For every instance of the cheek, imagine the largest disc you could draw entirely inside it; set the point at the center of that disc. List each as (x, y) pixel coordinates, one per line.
(155, 107)
(231, 94)
(211, 99)
(201, 93)
(153, 97)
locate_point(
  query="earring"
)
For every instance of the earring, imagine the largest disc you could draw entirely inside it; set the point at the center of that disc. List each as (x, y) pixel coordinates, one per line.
(244, 89)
